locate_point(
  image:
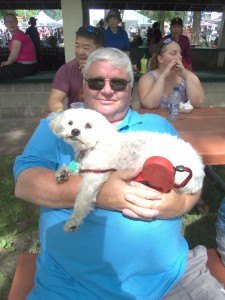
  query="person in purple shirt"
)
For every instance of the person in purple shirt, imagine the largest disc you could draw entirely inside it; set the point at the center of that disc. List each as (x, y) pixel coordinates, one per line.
(68, 80)
(115, 36)
(176, 28)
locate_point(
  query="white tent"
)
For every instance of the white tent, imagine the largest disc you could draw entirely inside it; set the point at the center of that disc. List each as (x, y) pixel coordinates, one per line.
(132, 15)
(44, 20)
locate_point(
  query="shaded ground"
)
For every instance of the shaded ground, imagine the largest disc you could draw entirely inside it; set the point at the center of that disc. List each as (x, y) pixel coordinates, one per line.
(14, 134)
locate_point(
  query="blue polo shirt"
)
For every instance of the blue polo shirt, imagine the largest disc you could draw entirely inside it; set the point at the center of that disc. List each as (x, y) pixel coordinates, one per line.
(117, 40)
(109, 256)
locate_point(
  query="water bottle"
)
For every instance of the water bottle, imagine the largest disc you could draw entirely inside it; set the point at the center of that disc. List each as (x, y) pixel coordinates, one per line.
(144, 65)
(174, 104)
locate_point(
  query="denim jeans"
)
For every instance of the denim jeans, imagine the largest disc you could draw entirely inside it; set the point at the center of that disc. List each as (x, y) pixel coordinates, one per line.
(220, 228)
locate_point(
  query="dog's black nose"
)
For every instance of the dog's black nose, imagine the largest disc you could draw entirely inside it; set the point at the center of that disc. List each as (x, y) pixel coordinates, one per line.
(75, 132)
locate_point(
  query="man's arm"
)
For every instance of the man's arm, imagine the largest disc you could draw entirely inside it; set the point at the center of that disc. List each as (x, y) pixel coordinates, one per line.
(55, 100)
(39, 186)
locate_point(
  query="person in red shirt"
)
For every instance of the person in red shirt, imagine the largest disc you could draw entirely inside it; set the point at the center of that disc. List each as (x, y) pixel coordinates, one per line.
(22, 58)
(176, 28)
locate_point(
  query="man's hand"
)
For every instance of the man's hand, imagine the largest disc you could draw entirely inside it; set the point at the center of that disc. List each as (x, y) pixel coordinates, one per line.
(116, 191)
(138, 201)
(170, 205)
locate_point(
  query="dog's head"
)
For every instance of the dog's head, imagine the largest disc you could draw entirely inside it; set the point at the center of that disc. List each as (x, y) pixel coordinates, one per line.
(82, 128)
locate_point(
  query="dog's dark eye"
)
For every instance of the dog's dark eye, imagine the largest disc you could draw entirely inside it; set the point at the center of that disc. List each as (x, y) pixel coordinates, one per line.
(88, 125)
(70, 123)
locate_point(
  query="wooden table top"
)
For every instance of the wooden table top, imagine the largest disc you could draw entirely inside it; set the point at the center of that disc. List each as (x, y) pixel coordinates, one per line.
(204, 128)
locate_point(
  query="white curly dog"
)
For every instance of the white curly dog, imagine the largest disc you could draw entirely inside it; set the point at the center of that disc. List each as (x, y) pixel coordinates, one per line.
(101, 149)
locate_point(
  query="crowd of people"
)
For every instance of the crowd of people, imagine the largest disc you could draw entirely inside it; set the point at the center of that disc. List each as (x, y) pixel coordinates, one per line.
(130, 246)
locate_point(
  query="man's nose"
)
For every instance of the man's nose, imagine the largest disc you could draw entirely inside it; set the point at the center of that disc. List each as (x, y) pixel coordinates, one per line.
(80, 51)
(107, 87)
(75, 132)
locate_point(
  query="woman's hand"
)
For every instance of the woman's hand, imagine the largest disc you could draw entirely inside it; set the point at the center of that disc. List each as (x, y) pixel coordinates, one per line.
(180, 69)
(4, 63)
(170, 67)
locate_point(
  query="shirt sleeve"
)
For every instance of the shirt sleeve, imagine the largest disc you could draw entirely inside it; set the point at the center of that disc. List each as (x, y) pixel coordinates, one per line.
(61, 82)
(126, 42)
(187, 52)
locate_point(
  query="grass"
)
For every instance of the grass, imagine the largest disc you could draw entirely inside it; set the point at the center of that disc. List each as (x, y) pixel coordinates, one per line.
(18, 226)
(18, 222)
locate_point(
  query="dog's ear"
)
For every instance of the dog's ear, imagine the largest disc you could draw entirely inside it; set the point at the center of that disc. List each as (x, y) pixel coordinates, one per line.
(55, 122)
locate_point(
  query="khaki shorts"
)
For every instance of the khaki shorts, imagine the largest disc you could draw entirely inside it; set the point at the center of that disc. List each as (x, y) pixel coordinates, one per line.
(197, 283)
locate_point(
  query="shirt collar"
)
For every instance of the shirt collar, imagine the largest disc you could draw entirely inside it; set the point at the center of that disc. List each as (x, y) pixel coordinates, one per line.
(131, 119)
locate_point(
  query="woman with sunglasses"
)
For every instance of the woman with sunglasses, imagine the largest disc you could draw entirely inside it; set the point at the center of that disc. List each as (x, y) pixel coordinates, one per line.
(22, 58)
(166, 72)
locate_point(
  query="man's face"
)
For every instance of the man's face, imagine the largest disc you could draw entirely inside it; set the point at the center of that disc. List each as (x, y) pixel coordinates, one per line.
(83, 48)
(113, 22)
(176, 30)
(112, 104)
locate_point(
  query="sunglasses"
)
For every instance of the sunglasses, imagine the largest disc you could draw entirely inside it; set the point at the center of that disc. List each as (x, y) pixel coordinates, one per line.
(116, 84)
(164, 42)
(90, 29)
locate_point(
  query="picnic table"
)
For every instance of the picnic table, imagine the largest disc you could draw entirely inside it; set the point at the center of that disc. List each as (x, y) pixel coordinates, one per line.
(204, 128)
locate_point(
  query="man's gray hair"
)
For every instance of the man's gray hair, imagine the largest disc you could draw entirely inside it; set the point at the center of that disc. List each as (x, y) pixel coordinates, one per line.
(114, 57)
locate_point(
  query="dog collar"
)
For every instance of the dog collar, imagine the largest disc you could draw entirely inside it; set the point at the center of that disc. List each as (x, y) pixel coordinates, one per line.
(96, 171)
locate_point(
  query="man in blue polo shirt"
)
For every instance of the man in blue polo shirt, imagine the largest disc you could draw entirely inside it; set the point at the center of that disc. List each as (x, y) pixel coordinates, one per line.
(130, 246)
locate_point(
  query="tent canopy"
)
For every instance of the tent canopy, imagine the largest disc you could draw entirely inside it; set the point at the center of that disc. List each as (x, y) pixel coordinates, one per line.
(191, 5)
(44, 20)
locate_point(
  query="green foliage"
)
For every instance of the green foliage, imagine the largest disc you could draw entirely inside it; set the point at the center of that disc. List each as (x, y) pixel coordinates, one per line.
(55, 14)
(163, 15)
(200, 229)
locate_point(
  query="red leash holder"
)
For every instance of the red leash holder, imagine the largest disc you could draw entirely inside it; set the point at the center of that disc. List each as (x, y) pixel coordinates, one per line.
(159, 173)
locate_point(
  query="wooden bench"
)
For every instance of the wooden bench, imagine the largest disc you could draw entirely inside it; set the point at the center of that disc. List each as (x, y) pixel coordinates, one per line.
(39, 76)
(211, 75)
(23, 280)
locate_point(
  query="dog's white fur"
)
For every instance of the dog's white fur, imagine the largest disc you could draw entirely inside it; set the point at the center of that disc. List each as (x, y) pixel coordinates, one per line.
(105, 148)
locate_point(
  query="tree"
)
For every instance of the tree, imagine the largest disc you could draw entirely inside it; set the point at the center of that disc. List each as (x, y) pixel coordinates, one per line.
(26, 14)
(55, 14)
(168, 15)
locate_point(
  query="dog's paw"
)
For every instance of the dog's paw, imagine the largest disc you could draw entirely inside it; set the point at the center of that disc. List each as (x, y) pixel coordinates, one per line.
(62, 174)
(71, 225)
